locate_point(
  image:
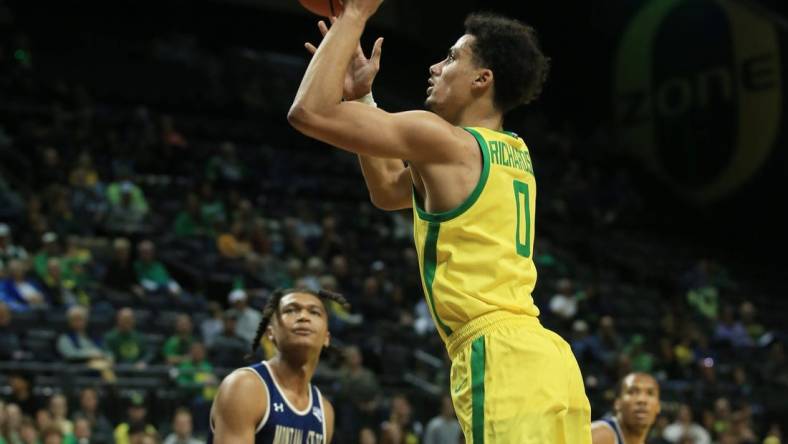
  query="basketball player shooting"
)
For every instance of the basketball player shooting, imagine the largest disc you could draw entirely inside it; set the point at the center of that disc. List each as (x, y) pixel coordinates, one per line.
(472, 187)
(273, 402)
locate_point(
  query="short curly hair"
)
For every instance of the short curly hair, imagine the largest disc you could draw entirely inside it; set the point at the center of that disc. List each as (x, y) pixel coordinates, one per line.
(511, 50)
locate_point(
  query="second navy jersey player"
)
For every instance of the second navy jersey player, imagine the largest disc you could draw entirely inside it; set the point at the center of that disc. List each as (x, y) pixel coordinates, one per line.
(274, 401)
(283, 423)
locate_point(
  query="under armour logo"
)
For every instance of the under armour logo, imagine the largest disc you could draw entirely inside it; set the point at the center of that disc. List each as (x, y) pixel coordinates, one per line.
(279, 407)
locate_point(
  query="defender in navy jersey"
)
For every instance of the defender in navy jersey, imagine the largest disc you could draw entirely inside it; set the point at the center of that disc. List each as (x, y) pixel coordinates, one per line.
(636, 408)
(273, 402)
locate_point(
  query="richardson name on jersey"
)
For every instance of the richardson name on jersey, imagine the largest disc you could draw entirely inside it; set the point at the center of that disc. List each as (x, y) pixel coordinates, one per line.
(503, 154)
(289, 435)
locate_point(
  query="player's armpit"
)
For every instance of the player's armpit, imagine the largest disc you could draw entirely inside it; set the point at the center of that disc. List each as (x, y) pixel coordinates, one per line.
(602, 434)
(388, 181)
(240, 404)
(418, 136)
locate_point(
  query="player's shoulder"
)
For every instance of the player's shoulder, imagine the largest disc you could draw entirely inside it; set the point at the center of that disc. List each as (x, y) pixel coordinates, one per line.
(328, 416)
(327, 406)
(432, 122)
(245, 378)
(242, 386)
(445, 141)
(239, 406)
(602, 433)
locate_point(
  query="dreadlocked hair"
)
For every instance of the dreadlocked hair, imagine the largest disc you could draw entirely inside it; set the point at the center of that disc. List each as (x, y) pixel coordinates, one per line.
(272, 306)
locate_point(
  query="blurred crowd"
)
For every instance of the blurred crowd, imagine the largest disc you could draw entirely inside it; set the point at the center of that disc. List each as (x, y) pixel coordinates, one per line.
(139, 238)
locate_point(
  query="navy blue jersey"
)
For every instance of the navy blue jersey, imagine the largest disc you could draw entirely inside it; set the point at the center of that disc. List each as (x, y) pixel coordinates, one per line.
(612, 422)
(282, 423)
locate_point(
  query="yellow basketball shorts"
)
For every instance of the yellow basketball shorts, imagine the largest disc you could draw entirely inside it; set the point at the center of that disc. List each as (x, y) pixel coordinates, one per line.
(515, 382)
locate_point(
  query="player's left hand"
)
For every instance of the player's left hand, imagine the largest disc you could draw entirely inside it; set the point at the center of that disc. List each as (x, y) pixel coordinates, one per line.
(361, 71)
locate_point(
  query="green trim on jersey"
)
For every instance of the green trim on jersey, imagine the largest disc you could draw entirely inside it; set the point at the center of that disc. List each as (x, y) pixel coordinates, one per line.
(463, 207)
(430, 262)
(508, 133)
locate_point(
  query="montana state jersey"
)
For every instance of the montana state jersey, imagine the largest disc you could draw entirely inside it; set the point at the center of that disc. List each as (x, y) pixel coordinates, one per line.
(282, 423)
(612, 423)
(478, 258)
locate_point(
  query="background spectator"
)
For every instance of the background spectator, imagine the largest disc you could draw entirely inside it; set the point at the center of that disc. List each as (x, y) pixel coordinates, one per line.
(19, 292)
(684, 427)
(124, 343)
(181, 429)
(8, 249)
(100, 427)
(136, 421)
(120, 274)
(443, 428)
(177, 346)
(10, 343)
(248, 318)
(228, 349)
(152, 275)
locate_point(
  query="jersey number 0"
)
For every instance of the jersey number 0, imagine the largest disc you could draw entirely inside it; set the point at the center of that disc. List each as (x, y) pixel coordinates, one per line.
(522, 235)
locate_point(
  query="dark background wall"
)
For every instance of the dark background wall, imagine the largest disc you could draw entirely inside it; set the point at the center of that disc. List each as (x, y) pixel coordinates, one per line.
(689, 150)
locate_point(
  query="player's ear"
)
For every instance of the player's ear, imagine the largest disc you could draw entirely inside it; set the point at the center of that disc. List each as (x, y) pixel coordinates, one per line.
(617, 405)
(483, 79)
(269, 331)
(327, 342)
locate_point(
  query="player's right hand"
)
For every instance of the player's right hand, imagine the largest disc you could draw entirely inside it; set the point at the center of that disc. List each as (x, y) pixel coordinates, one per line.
(361, 71)
(366, 8)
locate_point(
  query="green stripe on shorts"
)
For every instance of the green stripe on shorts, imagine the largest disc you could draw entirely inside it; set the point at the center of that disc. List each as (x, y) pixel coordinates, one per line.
(477, 390)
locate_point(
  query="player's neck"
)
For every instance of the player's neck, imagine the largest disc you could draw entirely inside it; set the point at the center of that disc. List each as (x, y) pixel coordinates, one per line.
(480, 117)
(293, 374)
(633, 436)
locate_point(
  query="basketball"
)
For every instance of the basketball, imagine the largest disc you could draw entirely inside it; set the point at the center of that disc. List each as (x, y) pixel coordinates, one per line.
(325, 8)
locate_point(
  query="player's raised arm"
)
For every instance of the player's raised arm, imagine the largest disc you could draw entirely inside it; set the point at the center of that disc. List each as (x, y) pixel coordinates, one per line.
(238, 408)
(389, 184)
(388, 180)
(318, 110)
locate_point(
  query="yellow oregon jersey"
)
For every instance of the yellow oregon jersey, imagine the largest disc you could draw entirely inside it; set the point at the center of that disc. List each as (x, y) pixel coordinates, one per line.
(477, 258)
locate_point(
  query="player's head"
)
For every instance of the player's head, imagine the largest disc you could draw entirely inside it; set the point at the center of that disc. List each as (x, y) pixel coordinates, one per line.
(637, 401)
(497, 60)
(296, 320)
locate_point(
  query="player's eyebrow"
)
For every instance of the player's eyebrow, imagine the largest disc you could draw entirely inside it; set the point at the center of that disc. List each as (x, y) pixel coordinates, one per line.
(297, 304)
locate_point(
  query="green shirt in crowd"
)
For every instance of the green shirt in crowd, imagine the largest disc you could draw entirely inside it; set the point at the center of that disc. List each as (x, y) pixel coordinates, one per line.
(152, 271)
(127, 347)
